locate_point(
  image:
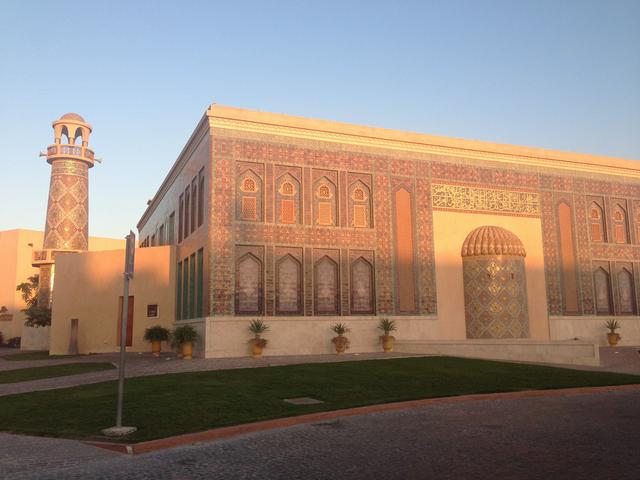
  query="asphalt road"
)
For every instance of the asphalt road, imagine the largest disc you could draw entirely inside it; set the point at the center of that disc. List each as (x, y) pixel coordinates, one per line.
(595, 436)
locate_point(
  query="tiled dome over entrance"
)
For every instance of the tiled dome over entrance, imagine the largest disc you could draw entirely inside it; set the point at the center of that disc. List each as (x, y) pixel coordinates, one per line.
(492, 240)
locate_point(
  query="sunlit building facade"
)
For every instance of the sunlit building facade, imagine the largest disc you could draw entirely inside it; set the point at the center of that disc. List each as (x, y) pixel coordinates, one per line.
(307, 222)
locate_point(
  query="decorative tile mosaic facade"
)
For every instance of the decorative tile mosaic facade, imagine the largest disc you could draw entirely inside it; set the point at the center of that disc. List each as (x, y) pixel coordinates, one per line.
(436, 182)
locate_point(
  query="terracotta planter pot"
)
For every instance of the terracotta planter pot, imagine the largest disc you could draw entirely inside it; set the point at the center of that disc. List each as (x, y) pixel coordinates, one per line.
(256, 350)
(156, 347)
(613, 338)
(341, 344)
(187, 350)
(387, 343)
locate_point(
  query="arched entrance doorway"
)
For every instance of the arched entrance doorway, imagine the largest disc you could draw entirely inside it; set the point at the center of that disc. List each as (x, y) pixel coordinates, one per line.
(495, 287)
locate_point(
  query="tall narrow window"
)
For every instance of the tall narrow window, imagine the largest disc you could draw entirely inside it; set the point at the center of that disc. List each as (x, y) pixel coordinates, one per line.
(249, 197)
(185, 288)
(326, 287)
(161, 235)
(602, 285)
(200, 284)
(201, 198)
(192, 285)
(287, 199)
(359, 206)
(362, 287)
(288, 286)
(249, 285)
(187, 215)
(626, 291)
(404, 251)
(620, 233)
(194, 204)
(596, 219)
(325, 202)
(568, 260)
(171, 229)
(180, 218)
(179, 291)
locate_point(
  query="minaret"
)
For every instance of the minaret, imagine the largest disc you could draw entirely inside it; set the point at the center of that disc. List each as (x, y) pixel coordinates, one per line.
(67, 224)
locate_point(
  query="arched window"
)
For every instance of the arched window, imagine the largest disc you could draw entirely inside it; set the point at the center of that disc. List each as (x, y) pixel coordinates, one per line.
(359, 206)
(324, 191)
(249, 285)
(325, 212)
(602, 285)
(626, 292)
(288, 286)
(596, 219)
(288, 200)
(64, 135)
(326, 287)
(249, 197)
(249, 185)
(362, 292)
(620, 224)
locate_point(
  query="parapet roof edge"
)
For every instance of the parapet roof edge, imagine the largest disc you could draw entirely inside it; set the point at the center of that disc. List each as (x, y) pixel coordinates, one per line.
(403, 140)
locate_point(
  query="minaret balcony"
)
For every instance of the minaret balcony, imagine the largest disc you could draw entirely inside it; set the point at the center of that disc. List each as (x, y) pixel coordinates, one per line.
(75, 152)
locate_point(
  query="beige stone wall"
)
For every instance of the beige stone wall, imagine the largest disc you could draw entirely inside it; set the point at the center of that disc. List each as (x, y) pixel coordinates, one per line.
(15, 268)
(450, 230)
(229, 336)
(593, 329)
(88, 286)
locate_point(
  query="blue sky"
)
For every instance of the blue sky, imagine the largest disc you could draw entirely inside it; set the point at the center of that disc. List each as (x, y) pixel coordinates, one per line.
(555, 74)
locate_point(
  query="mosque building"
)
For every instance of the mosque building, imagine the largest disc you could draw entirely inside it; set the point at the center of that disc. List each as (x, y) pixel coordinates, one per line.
(469, 246)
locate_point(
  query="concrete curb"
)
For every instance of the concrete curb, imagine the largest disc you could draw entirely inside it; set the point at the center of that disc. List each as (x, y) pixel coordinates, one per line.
(236, 430)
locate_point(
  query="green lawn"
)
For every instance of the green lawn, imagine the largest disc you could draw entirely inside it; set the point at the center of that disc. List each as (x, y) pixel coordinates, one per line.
(166, 405)
(36, 373)
(40, 355)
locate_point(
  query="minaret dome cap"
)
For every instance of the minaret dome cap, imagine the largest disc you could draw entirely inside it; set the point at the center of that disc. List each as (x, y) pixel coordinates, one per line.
(72, 116)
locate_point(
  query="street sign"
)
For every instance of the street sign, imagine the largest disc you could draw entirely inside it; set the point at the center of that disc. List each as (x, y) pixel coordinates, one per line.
(130, 254)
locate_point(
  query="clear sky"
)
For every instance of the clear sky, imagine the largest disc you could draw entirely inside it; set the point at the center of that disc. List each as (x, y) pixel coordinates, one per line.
(555, 74)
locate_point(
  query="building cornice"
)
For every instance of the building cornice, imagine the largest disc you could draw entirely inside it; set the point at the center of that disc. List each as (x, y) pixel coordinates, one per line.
(223, 117)
(194, 140)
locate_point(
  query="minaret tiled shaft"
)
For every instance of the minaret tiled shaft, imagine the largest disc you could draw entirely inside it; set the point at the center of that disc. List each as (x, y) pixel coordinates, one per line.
(67, 222)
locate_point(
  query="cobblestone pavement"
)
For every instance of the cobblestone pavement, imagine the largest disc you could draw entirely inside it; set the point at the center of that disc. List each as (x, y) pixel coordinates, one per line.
(574, 437)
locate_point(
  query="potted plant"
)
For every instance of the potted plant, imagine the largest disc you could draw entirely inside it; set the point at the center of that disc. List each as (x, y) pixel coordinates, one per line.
(612, 336)
(156, 335)
(387, 340)
(185, 335)
(257, 327)
(341, 342)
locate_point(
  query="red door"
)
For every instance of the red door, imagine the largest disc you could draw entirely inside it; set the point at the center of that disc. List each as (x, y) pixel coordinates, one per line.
(129, 321)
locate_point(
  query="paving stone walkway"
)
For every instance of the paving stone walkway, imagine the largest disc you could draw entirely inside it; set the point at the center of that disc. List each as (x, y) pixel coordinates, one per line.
(139, 365)
(619, 359)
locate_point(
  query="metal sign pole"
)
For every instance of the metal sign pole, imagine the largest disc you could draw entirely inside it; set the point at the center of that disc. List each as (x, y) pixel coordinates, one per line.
(119, 430)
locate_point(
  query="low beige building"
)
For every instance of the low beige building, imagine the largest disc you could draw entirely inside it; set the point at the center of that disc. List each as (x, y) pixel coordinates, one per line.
(89, 288)
(16, 255)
